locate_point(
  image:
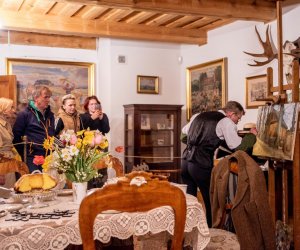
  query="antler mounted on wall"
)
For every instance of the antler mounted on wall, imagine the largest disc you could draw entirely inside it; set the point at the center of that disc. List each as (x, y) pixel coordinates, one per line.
(268, 53)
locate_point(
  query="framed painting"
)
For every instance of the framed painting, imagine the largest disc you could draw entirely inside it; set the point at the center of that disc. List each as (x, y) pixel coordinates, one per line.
(60, 77)
(206, 87)
(147, 84)
(277, 129)
(256, 90)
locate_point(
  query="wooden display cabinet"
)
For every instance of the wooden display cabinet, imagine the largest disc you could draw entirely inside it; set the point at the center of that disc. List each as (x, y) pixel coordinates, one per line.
(152, 135)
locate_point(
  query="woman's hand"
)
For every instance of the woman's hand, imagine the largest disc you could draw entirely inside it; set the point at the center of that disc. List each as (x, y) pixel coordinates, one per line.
(97, 114)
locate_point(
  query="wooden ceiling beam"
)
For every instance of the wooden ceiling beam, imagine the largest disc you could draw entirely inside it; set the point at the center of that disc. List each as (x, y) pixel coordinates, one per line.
(28, 22)
(242, 10)
(28, 38)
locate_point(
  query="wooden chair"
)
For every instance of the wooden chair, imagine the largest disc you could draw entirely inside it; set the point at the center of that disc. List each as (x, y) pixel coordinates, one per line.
(114, 162)
(132, 198)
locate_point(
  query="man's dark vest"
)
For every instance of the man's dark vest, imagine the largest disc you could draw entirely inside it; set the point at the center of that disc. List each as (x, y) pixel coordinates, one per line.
(202, 140)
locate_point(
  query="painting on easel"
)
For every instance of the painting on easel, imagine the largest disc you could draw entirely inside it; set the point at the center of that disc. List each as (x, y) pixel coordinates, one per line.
(277, 126)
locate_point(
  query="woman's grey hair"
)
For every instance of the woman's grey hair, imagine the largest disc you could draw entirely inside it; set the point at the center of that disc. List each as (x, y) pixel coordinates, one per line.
(5, 104)
(37, 92)
(233, 106)
(67, 97)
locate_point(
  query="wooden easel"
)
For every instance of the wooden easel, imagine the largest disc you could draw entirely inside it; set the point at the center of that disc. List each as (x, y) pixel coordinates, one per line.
(284, 176)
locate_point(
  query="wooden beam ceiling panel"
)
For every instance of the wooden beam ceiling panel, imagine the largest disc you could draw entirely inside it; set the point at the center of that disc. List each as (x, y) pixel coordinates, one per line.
(183, 21)
(201, 22)
(69, 10)
(139, 17)
(116, 15)
(91, 12)
(97, 28)
(159, 20)
(27, 38)
(214, 8)
(11, 5)
(41, 6)
(55, 10)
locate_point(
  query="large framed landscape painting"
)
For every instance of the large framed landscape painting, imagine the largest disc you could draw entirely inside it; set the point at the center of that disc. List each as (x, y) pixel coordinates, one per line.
(206, 87)
(277, 127)
(61, 77)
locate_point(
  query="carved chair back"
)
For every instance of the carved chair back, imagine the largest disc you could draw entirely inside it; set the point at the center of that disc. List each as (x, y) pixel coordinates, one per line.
(126, 197)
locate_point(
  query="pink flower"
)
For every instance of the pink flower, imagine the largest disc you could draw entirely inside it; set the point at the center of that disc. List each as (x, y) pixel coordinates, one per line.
(98, 139)
(39, 160)
(119, 149)
(73, 139)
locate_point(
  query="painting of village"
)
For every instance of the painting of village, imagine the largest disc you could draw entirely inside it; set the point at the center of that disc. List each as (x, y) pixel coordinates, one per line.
(60, 77)
(206, 87)
(277, 125)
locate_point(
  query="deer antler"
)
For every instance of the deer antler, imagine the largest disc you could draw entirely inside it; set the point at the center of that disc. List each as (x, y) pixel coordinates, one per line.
(268, 50)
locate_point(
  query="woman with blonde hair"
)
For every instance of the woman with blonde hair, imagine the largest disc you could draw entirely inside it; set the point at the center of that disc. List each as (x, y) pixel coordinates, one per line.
(67, 116)
(7, 113)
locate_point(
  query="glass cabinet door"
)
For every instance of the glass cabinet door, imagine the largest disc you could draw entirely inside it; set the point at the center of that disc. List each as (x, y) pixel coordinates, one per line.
(152, 136)
(157, 137)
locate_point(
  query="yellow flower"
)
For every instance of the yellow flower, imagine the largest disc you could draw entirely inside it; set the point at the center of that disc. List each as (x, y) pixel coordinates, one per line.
(79, 143)
(48, 161)
(104, 144)
(48, 143)
(79, 133)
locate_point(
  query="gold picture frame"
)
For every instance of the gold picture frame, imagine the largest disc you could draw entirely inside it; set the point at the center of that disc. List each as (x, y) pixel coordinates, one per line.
(62, 77)
(147, 84)
(206, 86)
(256, 88)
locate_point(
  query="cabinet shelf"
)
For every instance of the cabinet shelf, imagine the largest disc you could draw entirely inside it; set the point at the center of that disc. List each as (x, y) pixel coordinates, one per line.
(157, 146)
(152, 135)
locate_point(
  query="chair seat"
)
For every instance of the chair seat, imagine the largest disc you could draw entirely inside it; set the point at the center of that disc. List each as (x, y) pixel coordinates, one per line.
(221, 239)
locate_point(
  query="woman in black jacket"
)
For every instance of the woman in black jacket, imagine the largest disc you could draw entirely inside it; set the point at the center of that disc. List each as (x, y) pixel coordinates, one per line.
(94, 118)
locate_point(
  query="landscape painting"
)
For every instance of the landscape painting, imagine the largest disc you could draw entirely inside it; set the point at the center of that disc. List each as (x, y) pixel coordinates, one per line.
(277, 127)
(206, 87)
(60, 77)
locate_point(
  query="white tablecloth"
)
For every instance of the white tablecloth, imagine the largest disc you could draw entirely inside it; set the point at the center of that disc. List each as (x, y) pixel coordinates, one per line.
(59, 233)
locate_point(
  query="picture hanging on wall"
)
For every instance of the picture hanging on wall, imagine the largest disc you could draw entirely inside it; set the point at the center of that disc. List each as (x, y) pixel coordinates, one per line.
(277, 127)
(60, 77)
(206, 86)
(147, 84)
(256, 88)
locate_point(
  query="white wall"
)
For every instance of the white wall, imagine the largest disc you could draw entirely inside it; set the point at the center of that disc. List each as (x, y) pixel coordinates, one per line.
(230, 41)
(116, 83)
(142, 58)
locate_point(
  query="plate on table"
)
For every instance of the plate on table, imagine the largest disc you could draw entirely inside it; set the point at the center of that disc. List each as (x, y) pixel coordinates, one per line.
(65, 192)
(11, 207)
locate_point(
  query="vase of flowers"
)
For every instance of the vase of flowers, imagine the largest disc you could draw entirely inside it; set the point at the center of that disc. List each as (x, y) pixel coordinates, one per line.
(79, 191)
(76, 158)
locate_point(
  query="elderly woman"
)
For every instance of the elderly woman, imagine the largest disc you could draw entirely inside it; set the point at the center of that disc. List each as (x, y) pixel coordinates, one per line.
(7, 113)
(67, 117)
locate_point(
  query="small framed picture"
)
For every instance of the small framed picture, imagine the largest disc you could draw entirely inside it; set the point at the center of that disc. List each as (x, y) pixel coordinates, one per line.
(147, 84)
(145, 121)
(256, 89)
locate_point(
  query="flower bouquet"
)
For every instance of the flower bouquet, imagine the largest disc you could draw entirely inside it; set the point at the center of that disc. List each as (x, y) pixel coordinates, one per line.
(77, 158)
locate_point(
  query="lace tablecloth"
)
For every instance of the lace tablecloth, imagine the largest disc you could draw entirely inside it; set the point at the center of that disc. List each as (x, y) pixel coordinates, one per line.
(58, 233)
